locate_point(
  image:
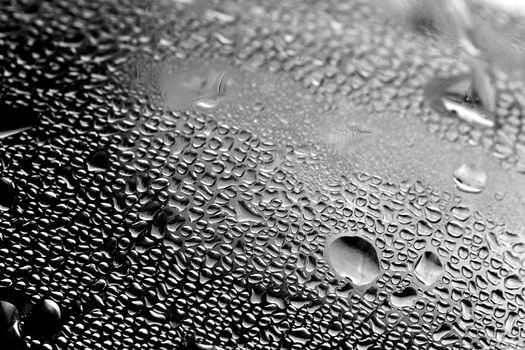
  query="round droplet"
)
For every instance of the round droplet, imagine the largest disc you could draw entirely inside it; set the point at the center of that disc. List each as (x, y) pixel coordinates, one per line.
(470, 179)
(404, 298)
(354, 258)
(44, 319)
(428, 268)
(7, 193)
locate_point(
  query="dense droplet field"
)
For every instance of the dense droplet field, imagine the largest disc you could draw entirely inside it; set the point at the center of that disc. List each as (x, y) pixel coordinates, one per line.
(194, 175)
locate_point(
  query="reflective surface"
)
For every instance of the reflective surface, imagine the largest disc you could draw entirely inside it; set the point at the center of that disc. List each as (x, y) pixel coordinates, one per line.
(255, 175)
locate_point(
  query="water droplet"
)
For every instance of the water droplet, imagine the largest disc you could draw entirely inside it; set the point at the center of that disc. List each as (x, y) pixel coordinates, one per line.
(198, 85)
(513, 282)
(469, 112)
(428, 268)
(99, 161)
(404, 298)
(16, 120)
(245, 213)
(448, 97)
(470, 179)
(7, 194)
(44, 319)
(354, 258)
(9, 327)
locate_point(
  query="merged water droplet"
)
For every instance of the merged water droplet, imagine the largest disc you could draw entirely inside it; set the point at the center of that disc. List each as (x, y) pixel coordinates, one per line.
(44, 319)
(428, 268)
(513, 282)
(15, 120)
(9, 327)
(7, 193)
(469, 112)
(198, 85)
(404, 298)
(354, 258)
(448, 96)
(468, 178)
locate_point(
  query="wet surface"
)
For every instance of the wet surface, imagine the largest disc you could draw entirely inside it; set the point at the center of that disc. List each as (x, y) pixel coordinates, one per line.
(184, 174)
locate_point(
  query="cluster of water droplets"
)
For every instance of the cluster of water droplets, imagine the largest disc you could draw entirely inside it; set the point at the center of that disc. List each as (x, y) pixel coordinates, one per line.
(129, 218)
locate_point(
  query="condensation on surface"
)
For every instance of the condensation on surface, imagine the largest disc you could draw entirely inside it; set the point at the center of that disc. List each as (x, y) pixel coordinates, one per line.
(135, 216)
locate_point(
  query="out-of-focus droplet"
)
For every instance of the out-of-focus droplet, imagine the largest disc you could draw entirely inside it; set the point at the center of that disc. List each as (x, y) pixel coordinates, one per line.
(99, 161)
(470, 179)
(198, 85)
(354, 258)
(469, 112)
(429, 268)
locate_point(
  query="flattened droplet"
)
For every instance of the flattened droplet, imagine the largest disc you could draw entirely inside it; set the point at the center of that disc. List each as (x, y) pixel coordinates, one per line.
(354, 258)
(246, 214)
(448, 97)
(9, 328)
(428, 268)
(44, 319)
(468, 112)
(198, 85)
(513, 282)
(7, 194)
(15, 120)
(470, 179)
(404, 298)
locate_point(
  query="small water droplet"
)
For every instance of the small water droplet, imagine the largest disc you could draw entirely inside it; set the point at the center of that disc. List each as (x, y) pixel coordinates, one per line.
(470, 179)
(354, 258)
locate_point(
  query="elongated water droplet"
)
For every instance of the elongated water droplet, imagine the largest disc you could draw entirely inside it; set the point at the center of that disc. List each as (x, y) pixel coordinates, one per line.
(7, 194)
(428, 268)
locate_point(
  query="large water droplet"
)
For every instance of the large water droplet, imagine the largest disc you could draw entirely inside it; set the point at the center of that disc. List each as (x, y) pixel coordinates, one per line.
(470, 179)
(513, 282)
(7, 194)
(9, 328)
(354, 258)
(404, 298)
(198, 85)
(15, 120)
(469, 112)
(448, 96)
(428, 268)
(44, 319)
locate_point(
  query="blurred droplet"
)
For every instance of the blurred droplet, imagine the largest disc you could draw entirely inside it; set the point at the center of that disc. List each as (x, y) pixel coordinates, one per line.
(470, 179)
